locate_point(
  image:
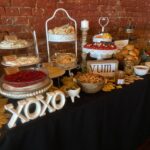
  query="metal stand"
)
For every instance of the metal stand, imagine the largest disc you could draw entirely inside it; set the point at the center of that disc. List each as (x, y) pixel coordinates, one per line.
(103, 21)
(46, 27)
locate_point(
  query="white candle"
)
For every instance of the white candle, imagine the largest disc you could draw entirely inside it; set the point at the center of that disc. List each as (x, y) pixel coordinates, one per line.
(84, 24)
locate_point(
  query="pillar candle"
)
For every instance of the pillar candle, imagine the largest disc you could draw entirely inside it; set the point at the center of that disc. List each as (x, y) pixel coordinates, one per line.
(85, 24)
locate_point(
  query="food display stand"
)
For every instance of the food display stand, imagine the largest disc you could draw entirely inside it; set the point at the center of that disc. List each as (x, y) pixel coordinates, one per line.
(60, 38)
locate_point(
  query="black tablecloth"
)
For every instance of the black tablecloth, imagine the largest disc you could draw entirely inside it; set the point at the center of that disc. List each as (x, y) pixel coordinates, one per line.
(118, 120)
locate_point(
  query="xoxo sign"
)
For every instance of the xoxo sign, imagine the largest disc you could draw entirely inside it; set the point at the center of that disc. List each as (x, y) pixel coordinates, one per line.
(22, 111)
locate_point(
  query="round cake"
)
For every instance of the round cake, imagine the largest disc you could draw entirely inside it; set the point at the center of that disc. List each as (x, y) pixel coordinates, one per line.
(25, 80)
(100, 50)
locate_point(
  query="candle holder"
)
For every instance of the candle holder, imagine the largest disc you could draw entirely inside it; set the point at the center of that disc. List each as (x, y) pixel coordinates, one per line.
(84, 36)
(84, 63)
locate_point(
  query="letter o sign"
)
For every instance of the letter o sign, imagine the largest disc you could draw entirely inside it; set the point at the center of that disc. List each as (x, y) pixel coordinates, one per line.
(62, 100)
(36, 112)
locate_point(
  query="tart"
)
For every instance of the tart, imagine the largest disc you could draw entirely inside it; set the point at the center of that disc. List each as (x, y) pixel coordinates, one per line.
(24, 78)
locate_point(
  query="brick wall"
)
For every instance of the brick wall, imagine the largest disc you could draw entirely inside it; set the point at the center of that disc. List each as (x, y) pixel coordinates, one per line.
(20, 16)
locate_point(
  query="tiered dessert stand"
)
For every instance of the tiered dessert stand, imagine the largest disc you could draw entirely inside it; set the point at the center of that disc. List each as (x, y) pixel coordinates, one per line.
(101, 48)
(60, 38)
(28, 45)
(32, 89)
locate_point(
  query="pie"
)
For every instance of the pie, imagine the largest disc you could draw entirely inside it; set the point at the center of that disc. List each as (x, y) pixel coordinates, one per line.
(25, 80)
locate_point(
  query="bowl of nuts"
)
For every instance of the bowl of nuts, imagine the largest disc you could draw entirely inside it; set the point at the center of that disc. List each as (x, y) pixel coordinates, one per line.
(90, 82)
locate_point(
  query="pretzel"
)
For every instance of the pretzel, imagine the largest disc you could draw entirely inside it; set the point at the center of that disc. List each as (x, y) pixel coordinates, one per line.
(90, 78)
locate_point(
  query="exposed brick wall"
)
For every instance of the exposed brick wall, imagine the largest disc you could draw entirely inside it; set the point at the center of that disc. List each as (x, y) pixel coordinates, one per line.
(20, 15)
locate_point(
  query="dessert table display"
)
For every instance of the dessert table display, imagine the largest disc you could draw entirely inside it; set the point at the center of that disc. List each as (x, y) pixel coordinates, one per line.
(98, 107)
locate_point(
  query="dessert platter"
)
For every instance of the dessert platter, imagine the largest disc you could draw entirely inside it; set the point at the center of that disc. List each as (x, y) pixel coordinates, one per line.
(100, 50)
(12, 42)
(65, 33)
(25, 83)
(66, 61)
(13, 60)
(102, 46)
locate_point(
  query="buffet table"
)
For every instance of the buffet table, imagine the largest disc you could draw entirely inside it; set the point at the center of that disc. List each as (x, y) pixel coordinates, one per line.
(103, 121)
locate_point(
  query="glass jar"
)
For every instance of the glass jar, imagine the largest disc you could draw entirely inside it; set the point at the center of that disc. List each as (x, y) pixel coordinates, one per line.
(128, 67)
(120, 77)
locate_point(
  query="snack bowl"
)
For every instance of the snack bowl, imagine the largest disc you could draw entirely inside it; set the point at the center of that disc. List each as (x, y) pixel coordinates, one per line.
(141, 70)
(90, 82)
(91, 87)
(72, 93)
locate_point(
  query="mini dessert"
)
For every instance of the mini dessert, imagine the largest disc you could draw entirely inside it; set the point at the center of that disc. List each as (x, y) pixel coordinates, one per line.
(10, 58)
(11, 70)
(100, 50)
